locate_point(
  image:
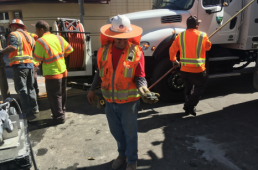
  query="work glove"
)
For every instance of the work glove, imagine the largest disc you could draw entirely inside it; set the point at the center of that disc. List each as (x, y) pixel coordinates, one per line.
(176, 63)
(96, 100)
(147, 96)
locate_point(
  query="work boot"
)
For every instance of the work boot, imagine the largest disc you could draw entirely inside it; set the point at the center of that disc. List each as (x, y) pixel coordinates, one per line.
(186, 110)
(30, 117)
(192, 111)
(118, 162)
(131, 166)
(35, 111)
(57, 122)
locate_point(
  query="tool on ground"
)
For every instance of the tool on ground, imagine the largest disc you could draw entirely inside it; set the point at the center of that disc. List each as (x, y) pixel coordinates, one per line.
(169, 71)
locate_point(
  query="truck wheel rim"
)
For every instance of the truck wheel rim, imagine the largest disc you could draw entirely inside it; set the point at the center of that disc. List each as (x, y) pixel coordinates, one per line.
(175, 81)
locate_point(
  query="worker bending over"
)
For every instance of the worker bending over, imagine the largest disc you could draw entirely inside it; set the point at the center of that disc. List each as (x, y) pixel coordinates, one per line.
(193, 45)
(122, 76)
(51, 50)
(20, 45)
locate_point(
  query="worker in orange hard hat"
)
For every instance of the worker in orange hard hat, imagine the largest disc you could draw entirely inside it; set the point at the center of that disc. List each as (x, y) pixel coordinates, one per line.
(20, 46)
(122, 77)
(192, 45)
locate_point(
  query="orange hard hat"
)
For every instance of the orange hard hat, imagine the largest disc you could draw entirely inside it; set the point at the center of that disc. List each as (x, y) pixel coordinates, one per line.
(17, 21)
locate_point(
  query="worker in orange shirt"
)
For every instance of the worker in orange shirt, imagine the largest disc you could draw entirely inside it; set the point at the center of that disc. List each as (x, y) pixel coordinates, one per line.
(193, 45)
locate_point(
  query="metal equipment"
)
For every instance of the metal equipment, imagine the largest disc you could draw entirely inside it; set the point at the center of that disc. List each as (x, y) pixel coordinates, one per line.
(79, 62)
(15, 149)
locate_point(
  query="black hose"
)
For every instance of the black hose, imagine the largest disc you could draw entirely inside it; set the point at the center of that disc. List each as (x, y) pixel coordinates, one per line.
(31, 151)
(17, 104)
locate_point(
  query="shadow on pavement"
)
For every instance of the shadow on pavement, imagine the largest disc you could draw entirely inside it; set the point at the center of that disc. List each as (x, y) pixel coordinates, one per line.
(234, 130)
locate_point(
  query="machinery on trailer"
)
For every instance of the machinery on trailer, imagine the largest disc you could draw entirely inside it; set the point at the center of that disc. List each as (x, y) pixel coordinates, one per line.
(236, 43)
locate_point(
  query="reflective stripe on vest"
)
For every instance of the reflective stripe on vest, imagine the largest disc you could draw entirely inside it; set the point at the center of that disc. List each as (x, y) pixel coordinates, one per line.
(20, 44)
(121, 94)
(68, 48)
(196, 61)
(130, 57)
(51, 58)
(199, 45)
(61, 43)
(104, 58)
(20, 59)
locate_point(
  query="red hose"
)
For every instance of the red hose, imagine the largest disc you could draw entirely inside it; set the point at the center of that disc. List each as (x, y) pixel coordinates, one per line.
(77, 42)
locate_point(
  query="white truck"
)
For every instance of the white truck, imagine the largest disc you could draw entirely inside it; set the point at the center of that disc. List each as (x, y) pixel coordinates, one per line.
(236, 43)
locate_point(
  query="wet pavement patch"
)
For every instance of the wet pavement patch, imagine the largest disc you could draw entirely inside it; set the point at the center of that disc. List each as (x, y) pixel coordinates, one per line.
(212, 152)
(42, 151)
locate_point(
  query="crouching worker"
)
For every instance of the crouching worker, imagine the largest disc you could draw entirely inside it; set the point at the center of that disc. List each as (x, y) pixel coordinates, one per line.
(122, 76)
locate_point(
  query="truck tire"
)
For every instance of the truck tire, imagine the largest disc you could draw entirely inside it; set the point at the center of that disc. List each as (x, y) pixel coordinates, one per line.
(168, 91)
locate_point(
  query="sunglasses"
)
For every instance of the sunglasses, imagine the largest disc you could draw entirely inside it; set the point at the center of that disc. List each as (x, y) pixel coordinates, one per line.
(119, 39)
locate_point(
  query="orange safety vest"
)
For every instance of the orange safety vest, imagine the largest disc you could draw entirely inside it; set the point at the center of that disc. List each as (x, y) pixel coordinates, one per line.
(118, 85)
(196, 60)
(193, 45)
(23, 54)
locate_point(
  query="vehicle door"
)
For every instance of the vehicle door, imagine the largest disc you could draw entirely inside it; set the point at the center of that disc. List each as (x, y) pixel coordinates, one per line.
(211, 22)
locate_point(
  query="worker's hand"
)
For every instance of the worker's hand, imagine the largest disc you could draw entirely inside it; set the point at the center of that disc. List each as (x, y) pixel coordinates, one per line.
(147, 96)
(91, 96)
(176, 63)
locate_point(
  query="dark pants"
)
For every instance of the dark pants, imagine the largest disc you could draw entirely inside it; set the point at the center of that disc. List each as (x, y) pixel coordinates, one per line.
(56, 93)
(195, 84)
(35, 85)
(23, 82)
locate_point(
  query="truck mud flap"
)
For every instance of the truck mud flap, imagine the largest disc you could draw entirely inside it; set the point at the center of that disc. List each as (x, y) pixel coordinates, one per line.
(255, 78)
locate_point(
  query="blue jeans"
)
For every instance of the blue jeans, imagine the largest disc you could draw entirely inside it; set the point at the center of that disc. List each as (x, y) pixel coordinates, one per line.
(122, 120)
(23, 82)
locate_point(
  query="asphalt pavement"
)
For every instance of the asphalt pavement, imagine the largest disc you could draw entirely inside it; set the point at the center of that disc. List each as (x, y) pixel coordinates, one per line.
(223, 136)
